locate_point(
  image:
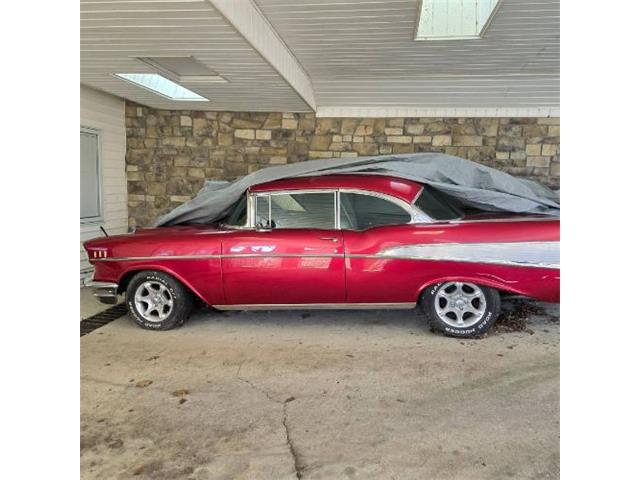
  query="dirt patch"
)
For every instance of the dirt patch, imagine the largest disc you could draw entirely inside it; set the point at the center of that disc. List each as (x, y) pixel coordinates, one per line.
(515, 316)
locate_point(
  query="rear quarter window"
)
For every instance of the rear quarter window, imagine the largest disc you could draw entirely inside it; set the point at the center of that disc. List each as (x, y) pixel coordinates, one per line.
(436, 205)
(360, 212)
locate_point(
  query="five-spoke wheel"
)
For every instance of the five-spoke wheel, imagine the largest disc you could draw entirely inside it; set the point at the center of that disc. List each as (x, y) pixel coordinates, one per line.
(158, 301)
(154, 301)
(461, 308)
(460, 304)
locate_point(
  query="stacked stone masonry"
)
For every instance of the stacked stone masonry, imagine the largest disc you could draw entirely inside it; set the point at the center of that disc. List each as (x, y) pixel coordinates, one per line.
(171, 153)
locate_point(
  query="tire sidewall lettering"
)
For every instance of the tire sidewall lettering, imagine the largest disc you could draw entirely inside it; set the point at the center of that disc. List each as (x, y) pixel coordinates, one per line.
(133, 310)
(485, 323)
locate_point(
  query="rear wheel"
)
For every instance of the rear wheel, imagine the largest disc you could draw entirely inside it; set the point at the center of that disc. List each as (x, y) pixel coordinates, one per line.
(158, 301)
(461, 309)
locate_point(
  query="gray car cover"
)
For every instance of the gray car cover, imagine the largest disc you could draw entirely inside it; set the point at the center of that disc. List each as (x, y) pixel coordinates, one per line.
(467, 183)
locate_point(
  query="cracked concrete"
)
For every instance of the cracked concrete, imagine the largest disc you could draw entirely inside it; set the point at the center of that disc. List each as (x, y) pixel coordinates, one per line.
(297, 465)
(319, 394)
(297, 461)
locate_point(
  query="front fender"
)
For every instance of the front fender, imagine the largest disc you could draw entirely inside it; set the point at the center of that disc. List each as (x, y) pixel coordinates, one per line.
(202, 276)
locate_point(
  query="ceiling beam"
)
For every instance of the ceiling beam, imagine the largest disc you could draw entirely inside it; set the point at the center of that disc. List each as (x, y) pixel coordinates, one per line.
(249, 21)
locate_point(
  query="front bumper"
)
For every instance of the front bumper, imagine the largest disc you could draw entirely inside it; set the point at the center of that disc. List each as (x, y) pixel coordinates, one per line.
(106, 292)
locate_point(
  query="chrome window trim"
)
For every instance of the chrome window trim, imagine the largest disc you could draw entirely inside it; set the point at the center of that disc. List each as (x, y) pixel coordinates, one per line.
(255, 195)
(433, 220)
(247, 224)
(504, 220)
(416, 215)
(417, 196)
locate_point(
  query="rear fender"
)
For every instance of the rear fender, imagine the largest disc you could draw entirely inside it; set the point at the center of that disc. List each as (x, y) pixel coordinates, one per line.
(483, 281)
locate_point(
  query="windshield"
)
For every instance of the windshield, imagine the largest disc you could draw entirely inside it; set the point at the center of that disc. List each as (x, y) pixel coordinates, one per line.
(434, 204)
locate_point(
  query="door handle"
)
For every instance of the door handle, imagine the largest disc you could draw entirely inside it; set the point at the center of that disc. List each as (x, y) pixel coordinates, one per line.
(333, 239)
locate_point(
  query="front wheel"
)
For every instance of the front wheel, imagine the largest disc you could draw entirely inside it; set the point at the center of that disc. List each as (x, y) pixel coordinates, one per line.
(158, 301)
(461, 309)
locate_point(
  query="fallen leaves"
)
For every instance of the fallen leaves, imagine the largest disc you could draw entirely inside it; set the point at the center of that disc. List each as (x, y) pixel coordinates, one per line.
(515, 320)
(182, 393)
(144, 383)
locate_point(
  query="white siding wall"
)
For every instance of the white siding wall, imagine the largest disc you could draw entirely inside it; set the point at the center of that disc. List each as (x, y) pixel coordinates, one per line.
(105, 113)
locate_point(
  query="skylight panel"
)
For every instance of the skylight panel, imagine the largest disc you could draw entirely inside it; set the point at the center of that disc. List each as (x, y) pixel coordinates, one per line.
(183, 69)
(454, 19)
(162, 86)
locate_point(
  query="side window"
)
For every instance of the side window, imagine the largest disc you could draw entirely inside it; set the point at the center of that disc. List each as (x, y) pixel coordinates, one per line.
(296, 210)
(433, 203)
(359, 212)
(238, 216)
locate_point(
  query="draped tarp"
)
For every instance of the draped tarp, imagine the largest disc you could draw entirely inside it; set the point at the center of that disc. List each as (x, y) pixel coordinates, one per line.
(468, 183)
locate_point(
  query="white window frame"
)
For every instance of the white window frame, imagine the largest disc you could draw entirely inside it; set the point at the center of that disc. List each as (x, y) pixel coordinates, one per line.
(99, 219)
(294, 192)
(417, 215)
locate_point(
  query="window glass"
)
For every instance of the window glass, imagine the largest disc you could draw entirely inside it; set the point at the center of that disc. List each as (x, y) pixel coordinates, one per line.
(298, 210)
(359, 212)
(238, 215)
(434, 204)
(262, 211)
(90, 207)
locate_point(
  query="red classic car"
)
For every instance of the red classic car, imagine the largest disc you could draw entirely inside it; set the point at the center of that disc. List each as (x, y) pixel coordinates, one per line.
(335, 241)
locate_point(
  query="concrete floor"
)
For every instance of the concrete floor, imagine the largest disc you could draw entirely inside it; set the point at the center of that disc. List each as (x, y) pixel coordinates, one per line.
(322, 394)
(90, 305)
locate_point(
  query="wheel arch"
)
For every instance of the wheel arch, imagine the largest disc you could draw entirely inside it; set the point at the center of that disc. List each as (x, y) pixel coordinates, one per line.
(128, 274)
(485, 282)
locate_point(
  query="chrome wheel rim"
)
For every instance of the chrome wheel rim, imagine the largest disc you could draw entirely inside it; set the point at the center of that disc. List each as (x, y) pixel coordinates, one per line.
(153, 301)
(460, 304)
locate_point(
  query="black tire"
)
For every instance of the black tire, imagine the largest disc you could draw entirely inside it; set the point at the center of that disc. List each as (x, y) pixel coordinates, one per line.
(479, 327)
(180, 296)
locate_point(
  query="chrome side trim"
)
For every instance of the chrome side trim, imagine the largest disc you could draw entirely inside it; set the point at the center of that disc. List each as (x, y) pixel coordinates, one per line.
(226, 255)
(503, 220)
(316, 306)
(524, 254)
(282, 255)
(156, 257)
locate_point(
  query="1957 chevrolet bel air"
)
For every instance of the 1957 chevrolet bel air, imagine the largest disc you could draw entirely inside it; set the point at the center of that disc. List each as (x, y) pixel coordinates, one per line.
(335, 241)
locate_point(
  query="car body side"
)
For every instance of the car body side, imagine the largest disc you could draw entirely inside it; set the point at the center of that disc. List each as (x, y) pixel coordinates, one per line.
(381, 266)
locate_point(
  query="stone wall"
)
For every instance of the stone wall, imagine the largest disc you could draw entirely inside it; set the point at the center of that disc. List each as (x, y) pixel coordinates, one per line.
(170, 153)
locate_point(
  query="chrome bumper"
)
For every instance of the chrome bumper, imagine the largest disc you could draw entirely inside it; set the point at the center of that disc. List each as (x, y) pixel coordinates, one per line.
(106, 292)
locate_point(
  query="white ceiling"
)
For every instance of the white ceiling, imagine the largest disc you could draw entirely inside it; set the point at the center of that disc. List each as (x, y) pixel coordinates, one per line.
(114, 31)
(357, 57)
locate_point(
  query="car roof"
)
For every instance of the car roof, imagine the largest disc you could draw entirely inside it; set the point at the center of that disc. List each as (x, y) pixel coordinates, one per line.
(396, 187)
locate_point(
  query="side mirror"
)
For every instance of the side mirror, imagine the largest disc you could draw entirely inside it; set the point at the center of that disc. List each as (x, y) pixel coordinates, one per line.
(263, 227)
